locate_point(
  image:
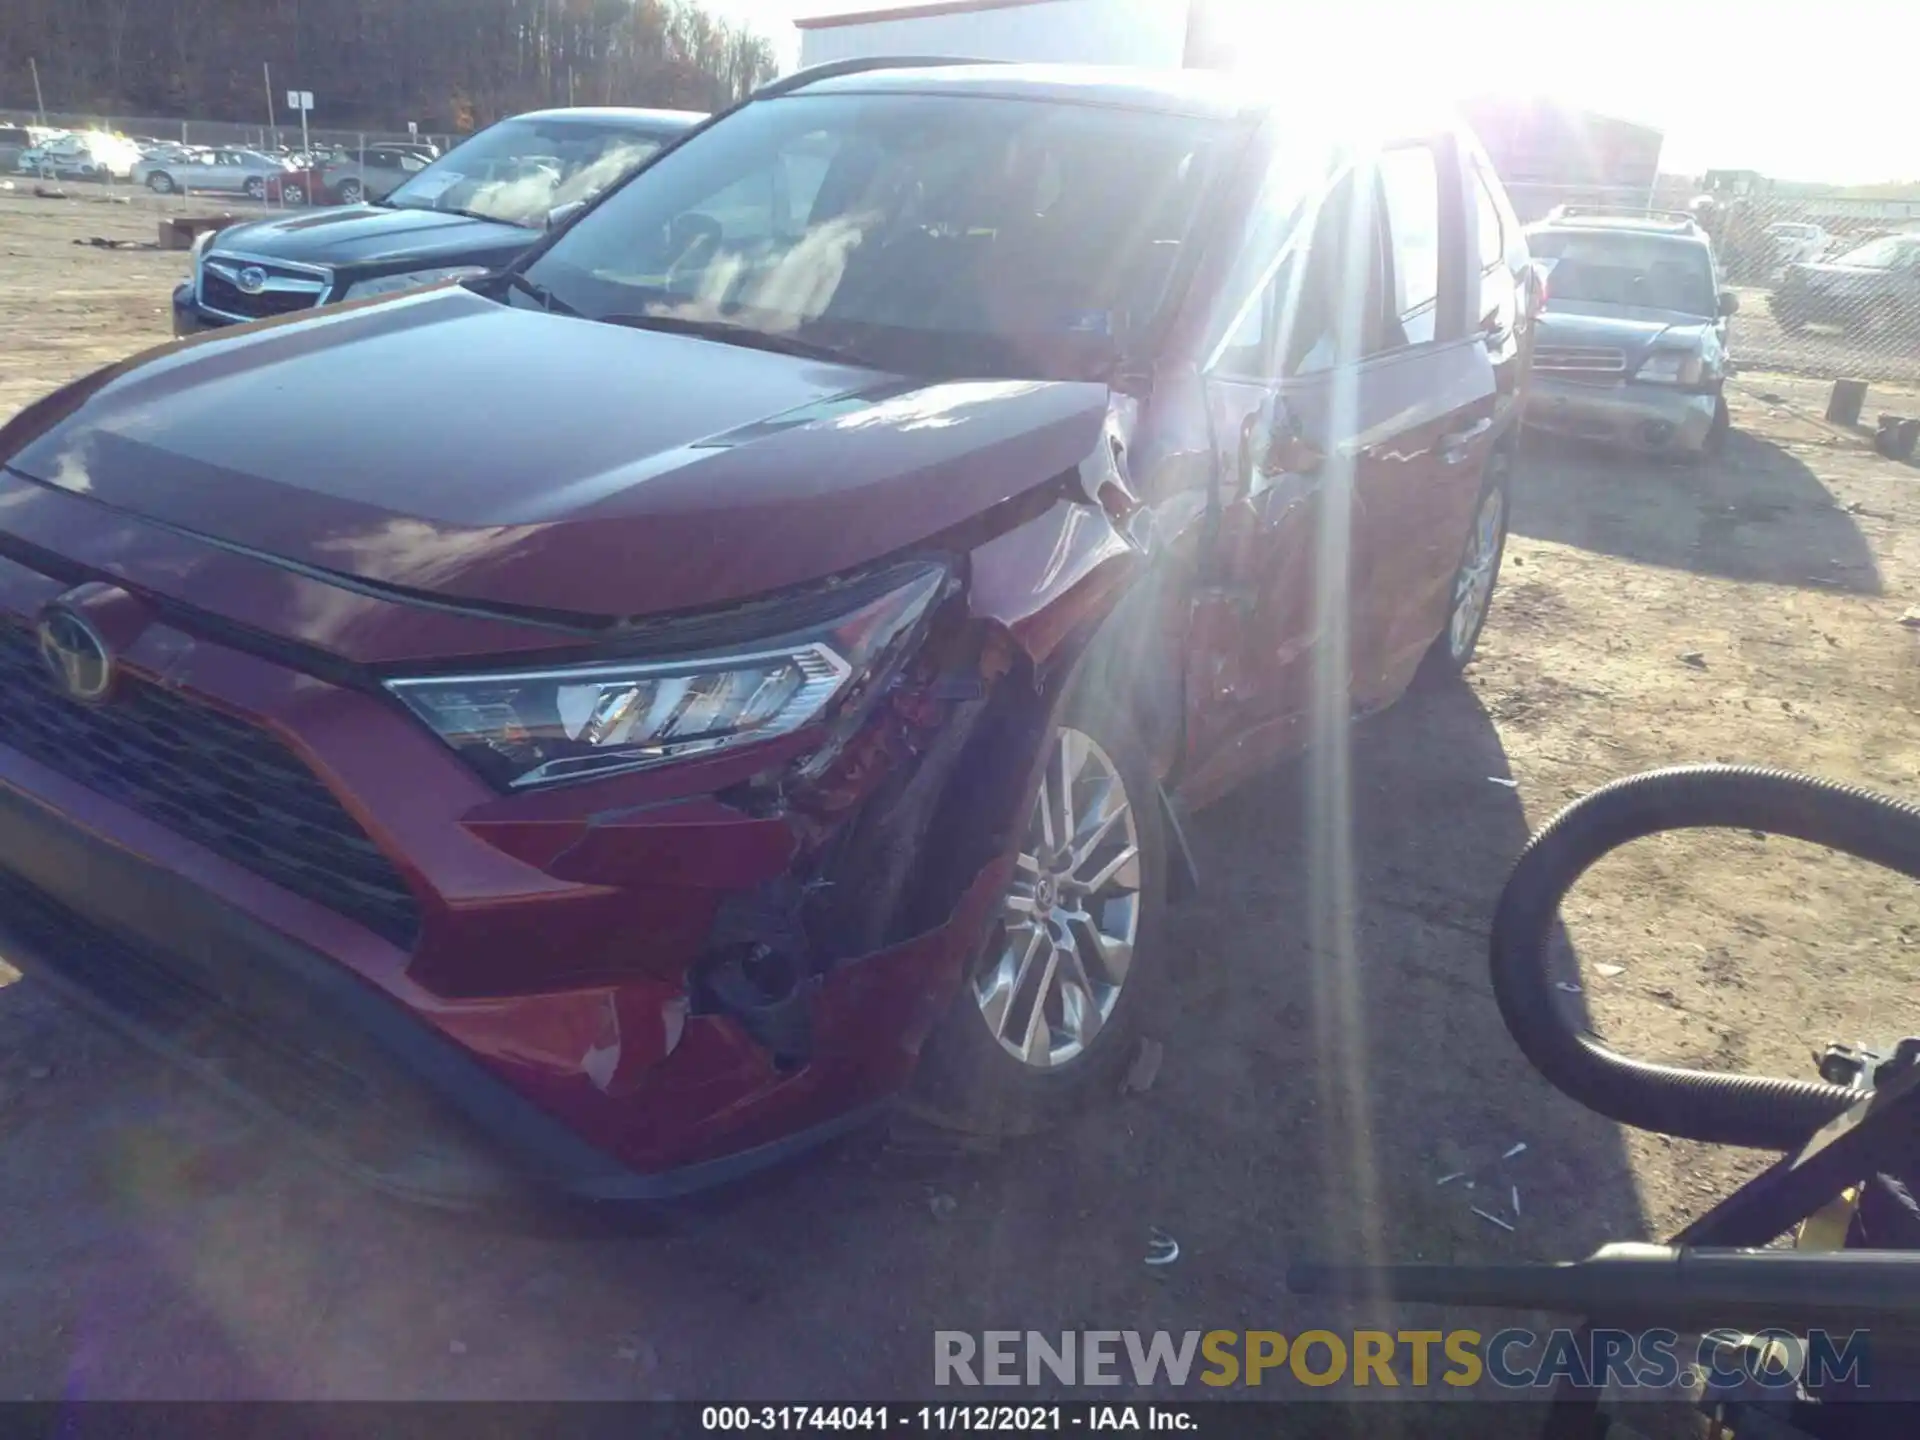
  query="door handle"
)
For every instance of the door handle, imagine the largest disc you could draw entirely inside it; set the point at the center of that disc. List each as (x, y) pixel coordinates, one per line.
(1457, 446)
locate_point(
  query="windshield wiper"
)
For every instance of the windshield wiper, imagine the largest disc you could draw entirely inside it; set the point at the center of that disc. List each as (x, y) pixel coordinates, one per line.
(728, 333)
(464, 214)
(539, 294)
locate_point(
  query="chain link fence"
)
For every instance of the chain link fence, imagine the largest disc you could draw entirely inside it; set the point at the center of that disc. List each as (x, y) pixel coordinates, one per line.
(1829, 289)
(1829, 285)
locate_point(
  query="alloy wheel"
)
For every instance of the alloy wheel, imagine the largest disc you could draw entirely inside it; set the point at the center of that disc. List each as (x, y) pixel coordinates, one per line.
(1473, 585)
(1048, 982)
(293, 194)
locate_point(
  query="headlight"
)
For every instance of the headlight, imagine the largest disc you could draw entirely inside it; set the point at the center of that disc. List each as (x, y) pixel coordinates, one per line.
(413, 279)
(200, 244)
(539, 727)
(1672, 367)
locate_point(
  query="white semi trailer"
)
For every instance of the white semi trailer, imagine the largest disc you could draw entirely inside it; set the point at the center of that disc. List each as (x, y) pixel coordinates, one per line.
(1159, 34)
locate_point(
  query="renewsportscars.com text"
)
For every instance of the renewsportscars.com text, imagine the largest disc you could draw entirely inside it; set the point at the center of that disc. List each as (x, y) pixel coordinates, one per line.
(1391, 1359)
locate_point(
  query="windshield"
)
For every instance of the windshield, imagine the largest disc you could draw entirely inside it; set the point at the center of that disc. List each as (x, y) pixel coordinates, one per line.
(919, 233)
(1882, 254)
(1602, 268)
(518, 170)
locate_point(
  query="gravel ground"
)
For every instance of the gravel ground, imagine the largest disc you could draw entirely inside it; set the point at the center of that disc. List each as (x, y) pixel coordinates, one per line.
(158, 1244)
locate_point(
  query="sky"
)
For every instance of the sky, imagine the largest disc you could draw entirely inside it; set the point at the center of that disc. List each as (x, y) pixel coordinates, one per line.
(1787, 90)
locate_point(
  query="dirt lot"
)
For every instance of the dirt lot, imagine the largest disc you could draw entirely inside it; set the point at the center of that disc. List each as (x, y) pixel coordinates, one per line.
(159, 1245)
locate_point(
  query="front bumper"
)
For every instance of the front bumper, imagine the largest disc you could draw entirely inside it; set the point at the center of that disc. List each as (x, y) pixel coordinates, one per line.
(544, 1032)
(1655, 419)
(189, 318)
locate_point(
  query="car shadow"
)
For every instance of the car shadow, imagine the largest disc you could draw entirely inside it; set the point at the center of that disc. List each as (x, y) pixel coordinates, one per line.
(1755, 512)
(1316, 1086)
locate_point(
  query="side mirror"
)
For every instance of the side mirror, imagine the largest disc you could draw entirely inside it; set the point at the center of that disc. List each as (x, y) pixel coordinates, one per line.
(1729, 302)
(560, 214)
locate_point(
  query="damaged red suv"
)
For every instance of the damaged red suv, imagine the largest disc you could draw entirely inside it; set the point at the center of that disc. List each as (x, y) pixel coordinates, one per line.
(608, 725)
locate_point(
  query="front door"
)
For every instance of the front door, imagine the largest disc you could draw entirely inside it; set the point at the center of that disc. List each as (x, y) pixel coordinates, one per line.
(1275, 638)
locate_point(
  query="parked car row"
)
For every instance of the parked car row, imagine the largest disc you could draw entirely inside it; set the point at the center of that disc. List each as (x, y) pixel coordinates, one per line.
(325, 175)
(77, 155)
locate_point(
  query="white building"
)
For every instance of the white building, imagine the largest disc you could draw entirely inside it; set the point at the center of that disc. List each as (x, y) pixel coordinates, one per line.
(1160, 34)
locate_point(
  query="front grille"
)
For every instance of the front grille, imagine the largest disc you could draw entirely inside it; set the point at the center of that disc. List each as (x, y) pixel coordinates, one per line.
(219, 781)
(1580, 360)
(219, 293)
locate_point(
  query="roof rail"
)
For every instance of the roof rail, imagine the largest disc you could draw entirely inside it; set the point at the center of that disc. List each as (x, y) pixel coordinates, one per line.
(1621, 212)
(801, 78)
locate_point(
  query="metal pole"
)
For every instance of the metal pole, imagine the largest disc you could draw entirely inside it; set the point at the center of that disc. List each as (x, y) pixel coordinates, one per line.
(266, 73)
(39, 101)
(304, 145)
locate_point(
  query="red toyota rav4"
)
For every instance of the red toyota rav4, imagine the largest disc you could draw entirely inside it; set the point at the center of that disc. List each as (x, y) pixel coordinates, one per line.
(607, 725)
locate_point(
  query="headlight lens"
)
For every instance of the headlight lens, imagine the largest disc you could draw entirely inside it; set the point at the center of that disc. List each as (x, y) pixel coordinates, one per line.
(1672, 367)
(200, 244)
(413, 279)
(541, 727)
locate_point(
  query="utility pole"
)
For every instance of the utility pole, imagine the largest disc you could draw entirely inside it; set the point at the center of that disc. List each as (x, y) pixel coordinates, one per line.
(266, 73)
(39, 101)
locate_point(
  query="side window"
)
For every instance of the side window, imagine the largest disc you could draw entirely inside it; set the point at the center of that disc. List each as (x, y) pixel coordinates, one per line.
(1248, 311)
(1330, 308)
(1410, 197)
(1486, 223)
(1499, 238)
(1324, 301)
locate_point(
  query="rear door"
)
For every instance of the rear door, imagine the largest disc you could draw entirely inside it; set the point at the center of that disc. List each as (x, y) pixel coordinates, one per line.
(1431, 409)
(1305, 402)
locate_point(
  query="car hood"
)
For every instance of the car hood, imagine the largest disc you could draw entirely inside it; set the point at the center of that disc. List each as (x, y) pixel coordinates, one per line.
(443, 443)
(1634, 329)
(370, 235)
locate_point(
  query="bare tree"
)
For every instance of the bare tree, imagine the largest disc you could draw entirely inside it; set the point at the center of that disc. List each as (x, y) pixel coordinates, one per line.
(376, 62)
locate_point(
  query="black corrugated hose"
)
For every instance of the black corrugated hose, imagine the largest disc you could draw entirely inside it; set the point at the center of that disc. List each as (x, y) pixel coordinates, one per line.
(1749, 1110)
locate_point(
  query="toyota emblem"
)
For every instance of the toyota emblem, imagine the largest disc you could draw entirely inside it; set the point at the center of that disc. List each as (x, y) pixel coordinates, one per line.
(252, 279)
(75, 655)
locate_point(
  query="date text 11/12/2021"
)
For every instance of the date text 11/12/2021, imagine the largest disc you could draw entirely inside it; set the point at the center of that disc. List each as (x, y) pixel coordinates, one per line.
(943, 1419)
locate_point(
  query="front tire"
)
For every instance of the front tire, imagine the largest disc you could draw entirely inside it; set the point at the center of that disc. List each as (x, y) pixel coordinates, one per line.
(1052, 1004)
(1470, 596)
(294, 194)
(351, 192)
(256, 189)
